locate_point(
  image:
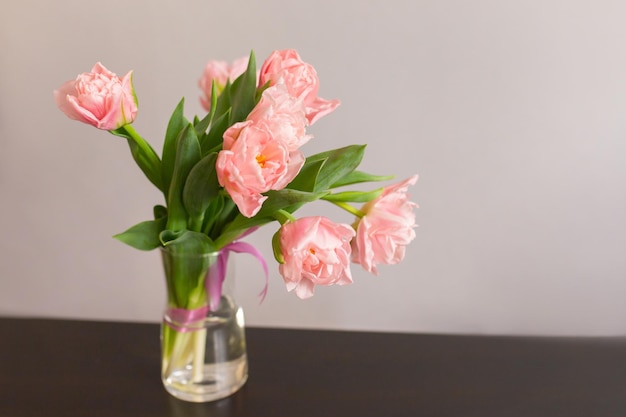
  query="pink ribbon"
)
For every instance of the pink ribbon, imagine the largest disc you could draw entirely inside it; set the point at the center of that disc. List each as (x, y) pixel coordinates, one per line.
(180, 318)
(215, 278)
(213, 283)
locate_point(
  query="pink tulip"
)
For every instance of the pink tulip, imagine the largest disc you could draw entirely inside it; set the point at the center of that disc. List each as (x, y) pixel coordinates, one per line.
(255, 163)
(283, 115)
(301, 81)
(219, 72)
(316, 251)
(386, 228)
(99, 98)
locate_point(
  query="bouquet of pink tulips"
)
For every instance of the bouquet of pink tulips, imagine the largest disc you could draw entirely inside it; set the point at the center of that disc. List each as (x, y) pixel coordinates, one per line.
(241, 166)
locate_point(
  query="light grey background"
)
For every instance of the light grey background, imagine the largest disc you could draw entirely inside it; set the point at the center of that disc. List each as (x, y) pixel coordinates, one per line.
(512, 113)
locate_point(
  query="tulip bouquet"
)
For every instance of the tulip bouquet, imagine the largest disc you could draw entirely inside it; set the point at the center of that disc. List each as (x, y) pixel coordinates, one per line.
(241, 166)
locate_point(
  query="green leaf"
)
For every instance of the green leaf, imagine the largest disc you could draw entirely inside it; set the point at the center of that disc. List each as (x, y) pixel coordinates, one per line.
(187, 241)
(200, 188)
(260, 90)
(167, 236)
(243, 92)
(144, 235)
(214, 95)
(159, 211)
(176, 124)
(144, 164)
(307, 177)
(227, 213)
(281, 199)
(356, 177)
(354, 196)
(223, 103)
(202, 125)
(187, 155)
(339, 163)
(285, 199)
(212, 141)
(278, 253)
(212, 214)
(145, 157)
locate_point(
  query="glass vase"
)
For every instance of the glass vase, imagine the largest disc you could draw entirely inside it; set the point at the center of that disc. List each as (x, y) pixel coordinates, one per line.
(203, 345)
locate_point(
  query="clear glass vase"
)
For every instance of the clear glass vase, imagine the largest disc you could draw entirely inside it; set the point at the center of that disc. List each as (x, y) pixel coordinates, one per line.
(203, 346)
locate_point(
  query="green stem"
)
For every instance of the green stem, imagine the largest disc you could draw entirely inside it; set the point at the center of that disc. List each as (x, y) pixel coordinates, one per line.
(195, 223)
(283, 216)
(349, 208)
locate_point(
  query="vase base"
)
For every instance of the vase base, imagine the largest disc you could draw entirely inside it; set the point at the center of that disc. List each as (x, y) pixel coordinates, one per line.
(214, 383)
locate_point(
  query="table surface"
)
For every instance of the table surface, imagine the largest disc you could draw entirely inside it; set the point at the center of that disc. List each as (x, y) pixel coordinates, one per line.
(52, 368)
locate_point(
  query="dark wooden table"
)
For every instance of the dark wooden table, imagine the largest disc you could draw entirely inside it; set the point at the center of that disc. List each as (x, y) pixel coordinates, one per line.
(51, 368)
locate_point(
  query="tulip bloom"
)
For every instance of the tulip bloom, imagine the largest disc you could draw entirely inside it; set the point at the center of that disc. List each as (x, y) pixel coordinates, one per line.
(386, 228)
(284, 116)
(301, 81)
(316, 251)
(99, 98)
(253, 163)
(219, 72)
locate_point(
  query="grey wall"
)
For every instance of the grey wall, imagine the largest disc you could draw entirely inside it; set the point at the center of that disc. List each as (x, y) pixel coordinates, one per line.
(512, 113)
